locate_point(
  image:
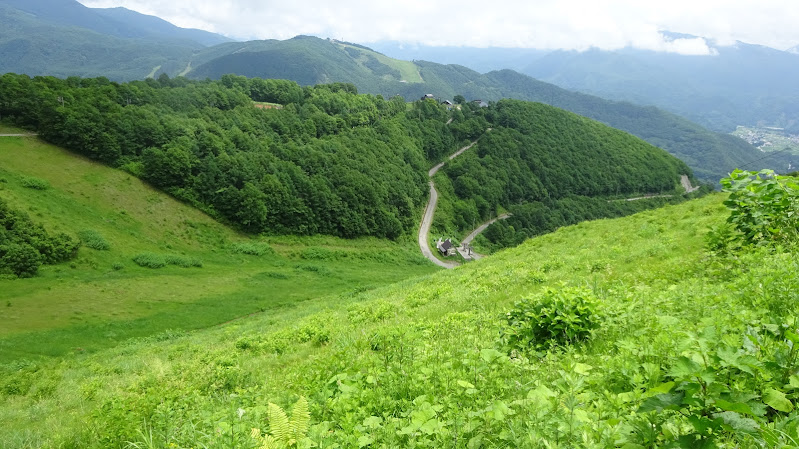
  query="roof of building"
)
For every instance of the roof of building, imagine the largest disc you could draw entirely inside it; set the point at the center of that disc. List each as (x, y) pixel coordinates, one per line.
(446, 244)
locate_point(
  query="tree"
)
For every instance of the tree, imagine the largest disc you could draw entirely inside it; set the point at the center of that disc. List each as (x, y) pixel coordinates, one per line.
(20, 259)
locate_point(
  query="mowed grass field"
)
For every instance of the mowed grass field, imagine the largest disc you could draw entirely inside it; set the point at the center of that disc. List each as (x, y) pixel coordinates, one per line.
(103, 297)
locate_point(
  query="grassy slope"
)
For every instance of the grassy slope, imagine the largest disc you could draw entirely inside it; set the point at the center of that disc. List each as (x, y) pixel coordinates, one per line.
(648, 269)
(408, 69)
(87, 305)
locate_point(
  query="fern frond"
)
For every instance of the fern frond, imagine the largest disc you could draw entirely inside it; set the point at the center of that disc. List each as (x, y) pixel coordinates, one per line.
(300, 418)
(271, 443)
(278, 423)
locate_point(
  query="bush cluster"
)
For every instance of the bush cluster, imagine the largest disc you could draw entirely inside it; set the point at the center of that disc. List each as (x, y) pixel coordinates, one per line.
(94, 240)
(152, 260)
(25, 245)
(252, 249)
(556, 318)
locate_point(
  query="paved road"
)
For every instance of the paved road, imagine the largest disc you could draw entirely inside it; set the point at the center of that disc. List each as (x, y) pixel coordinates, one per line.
(19, 135)
(424, 230)
(452, 156)
(430, 208)
(686, 183)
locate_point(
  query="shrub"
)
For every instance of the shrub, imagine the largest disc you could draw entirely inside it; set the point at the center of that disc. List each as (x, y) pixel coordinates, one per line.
(150, 260)
(94, 240)
(764, 206)
(58, 248)
(557, 317)
(35, 183)
(252, 249)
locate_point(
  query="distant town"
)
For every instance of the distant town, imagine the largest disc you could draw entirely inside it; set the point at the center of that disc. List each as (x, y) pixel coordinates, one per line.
(768, 138)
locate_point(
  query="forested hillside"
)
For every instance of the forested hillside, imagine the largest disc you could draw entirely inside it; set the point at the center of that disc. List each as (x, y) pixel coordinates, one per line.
(552, 168)
(327, 160)
(122, 45)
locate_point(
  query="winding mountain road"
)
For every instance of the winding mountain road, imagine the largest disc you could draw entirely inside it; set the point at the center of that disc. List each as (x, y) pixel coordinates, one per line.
(430, 208)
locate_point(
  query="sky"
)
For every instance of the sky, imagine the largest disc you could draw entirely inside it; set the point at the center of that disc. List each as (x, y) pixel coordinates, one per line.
(544, 24)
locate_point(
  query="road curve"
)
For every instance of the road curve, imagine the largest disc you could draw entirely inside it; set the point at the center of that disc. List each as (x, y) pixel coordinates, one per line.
(452, 156)
(424, 230)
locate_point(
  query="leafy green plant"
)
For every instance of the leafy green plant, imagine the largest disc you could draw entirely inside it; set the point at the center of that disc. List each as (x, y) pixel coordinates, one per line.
(764, 206)
(716, 389)
(558, 317)
(284, 432)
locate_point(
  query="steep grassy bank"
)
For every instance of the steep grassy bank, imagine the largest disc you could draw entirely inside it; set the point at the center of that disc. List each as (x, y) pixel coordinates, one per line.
(423, 363)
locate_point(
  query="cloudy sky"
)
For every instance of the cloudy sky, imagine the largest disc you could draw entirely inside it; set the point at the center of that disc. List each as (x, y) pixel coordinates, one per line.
(550, 24)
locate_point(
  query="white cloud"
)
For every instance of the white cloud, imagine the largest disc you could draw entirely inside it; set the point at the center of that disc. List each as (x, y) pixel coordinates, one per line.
(553, 24)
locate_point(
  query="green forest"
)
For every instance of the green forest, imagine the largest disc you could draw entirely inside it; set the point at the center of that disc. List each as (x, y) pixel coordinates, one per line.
(332, 161)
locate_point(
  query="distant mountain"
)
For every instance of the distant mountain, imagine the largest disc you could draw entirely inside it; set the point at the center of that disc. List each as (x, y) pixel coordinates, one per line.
(480, 59)
(310, 60)
(156, 27)
(117, 22)
(64, 38)
(742, 84)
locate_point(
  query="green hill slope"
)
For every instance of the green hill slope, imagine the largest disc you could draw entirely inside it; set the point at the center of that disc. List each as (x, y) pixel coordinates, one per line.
(64, 38)
(424, 363)
(103, 297)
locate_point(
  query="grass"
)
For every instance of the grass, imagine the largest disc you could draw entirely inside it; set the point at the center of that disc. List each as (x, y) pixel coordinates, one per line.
(104, 297)
(407, 69)
(8, 129)
(649, 263)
